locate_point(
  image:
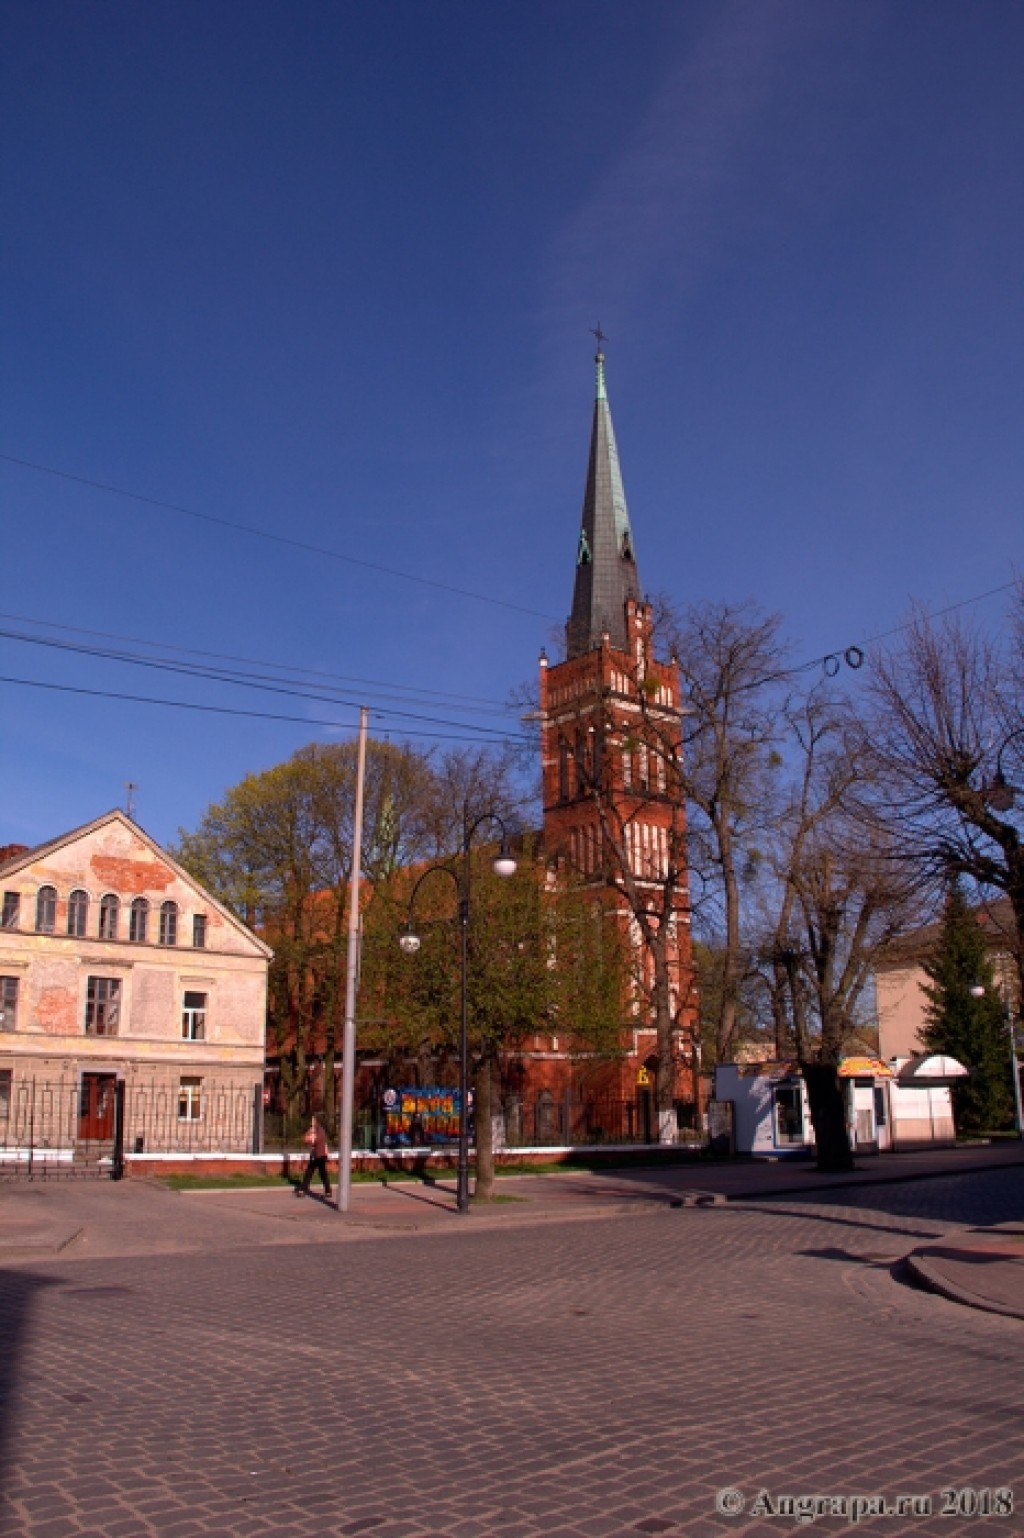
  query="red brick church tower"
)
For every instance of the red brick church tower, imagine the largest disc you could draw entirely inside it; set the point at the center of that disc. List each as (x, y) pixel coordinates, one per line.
(613, 809)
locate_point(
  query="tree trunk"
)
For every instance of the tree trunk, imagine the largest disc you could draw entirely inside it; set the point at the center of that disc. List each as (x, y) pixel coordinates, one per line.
(483, 1102)
(828, 1117)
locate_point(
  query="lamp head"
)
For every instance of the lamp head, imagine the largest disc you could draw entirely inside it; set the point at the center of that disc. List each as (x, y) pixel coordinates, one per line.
(999, 795)
(409, 940)
(504, 864)
(977, 991)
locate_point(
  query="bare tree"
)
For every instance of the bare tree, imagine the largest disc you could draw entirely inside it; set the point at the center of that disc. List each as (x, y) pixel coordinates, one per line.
(946, 735)
(732, 662)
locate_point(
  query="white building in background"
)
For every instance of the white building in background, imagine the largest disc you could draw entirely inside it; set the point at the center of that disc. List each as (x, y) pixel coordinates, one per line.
(900, 1105)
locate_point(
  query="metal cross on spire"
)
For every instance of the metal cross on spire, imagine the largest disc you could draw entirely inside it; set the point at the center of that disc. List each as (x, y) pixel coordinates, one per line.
(601, 338)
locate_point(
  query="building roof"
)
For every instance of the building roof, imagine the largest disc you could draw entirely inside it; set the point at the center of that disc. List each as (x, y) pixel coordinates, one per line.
(995, 920)
(606, 570)
(25, 857)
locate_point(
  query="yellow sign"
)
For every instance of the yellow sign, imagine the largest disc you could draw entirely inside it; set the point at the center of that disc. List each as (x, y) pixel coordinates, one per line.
(864, 1068)
(642, 1076)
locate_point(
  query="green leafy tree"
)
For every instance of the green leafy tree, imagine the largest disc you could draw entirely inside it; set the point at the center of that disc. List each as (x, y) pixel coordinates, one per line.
(966, 1019)
(278, 851)
(542, 957)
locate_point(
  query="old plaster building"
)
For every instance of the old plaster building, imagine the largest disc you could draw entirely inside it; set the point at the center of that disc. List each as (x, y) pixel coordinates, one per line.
(117, 968)
(610, 718)
(900, 977)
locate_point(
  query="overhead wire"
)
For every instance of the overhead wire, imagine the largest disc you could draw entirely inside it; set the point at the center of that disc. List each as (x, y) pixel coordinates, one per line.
(853, 655)
(389, 712)
(282, 667)
(281, 539)
(227, 710)
(230, 676)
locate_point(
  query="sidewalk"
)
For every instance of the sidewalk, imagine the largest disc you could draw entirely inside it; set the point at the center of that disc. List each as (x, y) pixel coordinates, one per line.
(104, 1220)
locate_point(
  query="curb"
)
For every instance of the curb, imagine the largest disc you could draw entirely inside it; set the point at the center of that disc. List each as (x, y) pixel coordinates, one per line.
(933, 1279)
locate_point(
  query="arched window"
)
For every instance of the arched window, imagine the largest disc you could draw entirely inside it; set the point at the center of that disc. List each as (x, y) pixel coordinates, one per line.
(168, 923)
(78, 913)
(138, 921)
(46, 910)
(110, 908)
(563, 769)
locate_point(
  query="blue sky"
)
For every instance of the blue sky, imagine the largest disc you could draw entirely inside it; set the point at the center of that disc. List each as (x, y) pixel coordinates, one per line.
(328, 271)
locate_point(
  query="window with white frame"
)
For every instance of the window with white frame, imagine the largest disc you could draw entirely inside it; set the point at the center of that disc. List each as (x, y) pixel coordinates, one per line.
(190, 1098)
(78, 913)
(110, 909)
(168, 923)
(8, 1003)
(46, 910)
(11, 910)
(193, 1017)
(102, 1006)
(138, 921)
(199, 930)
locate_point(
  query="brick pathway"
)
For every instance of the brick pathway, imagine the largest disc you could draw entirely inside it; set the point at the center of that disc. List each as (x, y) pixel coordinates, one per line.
(604, 1376)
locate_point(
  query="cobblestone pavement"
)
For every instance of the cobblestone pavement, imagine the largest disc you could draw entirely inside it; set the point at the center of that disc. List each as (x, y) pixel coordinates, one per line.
(598, 1378)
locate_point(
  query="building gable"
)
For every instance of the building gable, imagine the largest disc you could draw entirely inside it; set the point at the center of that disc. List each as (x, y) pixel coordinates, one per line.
(113, 856)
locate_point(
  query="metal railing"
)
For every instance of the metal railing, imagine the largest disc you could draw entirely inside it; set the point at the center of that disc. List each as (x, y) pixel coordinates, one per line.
(63, 1127)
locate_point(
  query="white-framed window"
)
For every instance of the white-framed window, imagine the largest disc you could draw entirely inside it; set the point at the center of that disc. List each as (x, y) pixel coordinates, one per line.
(190, 1098)
(193, 1017)
(102, 1006)
(8, 1003)
(138, 921)
(110, 909)
(78, 913)
(199, 930)
(168, 923)
(11, 910)
(46, 910)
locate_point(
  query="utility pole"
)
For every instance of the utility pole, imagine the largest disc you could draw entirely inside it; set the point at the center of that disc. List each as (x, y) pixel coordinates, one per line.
(348, 1048)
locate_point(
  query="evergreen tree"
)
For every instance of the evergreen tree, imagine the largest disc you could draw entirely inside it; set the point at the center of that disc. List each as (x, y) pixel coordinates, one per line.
(966, 1025)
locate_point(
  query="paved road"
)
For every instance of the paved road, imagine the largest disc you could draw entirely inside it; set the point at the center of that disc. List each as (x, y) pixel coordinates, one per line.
(602, 1377)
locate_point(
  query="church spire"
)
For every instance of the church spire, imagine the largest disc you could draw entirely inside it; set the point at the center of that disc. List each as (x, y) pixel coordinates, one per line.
(606, 573)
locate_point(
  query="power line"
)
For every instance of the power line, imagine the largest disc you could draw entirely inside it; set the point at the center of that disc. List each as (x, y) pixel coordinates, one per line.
(279, 539)
(231, 676)
(227, 710)
(282, 667)
(157, 665)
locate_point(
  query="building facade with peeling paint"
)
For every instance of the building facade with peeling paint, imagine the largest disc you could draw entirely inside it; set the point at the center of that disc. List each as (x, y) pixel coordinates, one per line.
(117, 967)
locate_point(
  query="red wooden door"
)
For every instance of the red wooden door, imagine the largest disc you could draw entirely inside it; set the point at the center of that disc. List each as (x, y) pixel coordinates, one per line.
(96, 1107)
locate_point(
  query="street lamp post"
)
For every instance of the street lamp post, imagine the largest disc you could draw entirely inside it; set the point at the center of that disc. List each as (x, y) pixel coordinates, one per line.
(504, 865)
(978, 992)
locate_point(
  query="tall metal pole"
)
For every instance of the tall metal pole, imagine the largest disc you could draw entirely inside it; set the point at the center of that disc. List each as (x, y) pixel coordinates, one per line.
(462, 1182)
(348, 1048)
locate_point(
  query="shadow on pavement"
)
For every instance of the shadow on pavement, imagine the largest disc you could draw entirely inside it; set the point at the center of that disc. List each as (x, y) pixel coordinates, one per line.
(17, 1290)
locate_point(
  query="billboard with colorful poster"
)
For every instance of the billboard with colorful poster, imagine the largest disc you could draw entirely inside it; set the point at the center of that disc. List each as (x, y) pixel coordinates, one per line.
(421, 1117)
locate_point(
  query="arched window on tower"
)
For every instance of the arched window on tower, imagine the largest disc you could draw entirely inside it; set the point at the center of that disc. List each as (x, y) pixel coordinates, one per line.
(596, 754)
(563, 769)
(581, 761)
